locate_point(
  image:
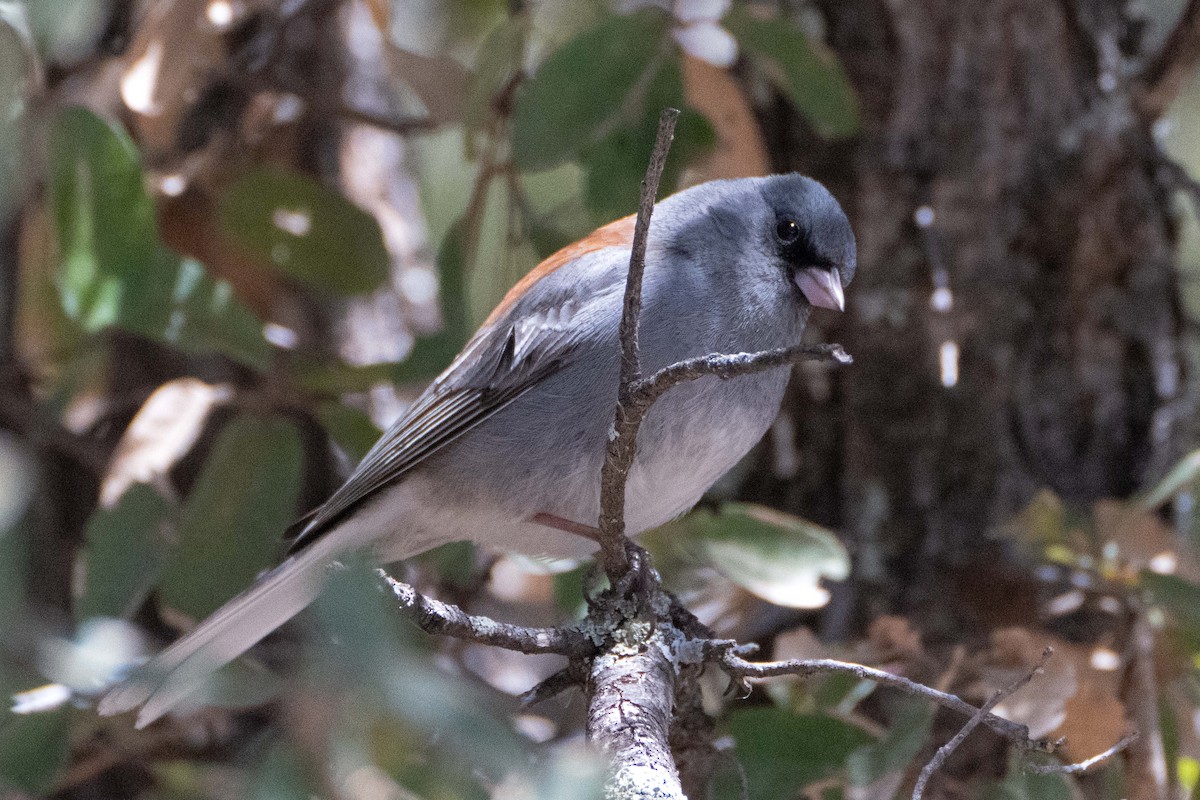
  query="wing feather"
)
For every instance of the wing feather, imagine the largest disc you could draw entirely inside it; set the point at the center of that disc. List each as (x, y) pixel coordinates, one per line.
(528, 338)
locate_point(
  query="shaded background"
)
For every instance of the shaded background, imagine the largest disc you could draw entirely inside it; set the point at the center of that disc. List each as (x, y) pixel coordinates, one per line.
(239, 235)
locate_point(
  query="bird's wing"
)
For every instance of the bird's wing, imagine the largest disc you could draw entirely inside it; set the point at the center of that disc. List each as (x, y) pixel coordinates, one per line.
(529, 340)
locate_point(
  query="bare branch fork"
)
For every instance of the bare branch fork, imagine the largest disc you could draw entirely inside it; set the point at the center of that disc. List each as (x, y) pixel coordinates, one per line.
(637, 640)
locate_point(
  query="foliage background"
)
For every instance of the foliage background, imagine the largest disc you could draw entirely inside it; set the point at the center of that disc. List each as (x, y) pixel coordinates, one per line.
(239, 235)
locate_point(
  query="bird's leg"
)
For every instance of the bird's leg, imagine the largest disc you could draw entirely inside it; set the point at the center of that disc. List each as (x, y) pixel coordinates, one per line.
(589, 532)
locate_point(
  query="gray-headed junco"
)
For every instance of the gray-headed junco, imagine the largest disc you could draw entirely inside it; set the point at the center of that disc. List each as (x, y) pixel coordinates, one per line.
(505, 447)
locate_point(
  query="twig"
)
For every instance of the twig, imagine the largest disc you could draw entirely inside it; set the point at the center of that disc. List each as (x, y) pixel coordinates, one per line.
(1174, 64)
(1016, 733)
(949, 747)
(436, 617)
(622, 445)
(1080, 767)
(554, 685)
(731, 366)
(402, 126)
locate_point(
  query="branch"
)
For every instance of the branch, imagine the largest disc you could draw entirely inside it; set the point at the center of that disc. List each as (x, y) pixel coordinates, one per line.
(949, 747)
(632, 689)
(1016, 733)
(445, 619)
(731, 366)
(1174, 64)
(1079, 767)
(622, 445)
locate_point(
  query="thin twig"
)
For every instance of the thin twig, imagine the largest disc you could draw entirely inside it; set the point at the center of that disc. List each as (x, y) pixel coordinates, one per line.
(402, 126)
(1079, 767)
(445, 619)
(732, 366)
(949, 747)
(552, 686)
(1016, 733)
(622, 445)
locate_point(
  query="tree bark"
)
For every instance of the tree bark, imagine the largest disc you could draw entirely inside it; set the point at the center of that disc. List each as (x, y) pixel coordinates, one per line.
(1003, 160)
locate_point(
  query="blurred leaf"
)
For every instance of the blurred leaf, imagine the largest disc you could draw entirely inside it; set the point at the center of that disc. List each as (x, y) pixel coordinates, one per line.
(617, 164)
(205, 316)
(497, 62)
(19, 70)
(455, 562)
(352, 430)
(34, 748)
(104, 219)
(355, 612)
(773, 555)
(496, 251)
(307, 230)
(909, 729)
(440, 82)
(1019, 784)
(804, 70)
(282, 775)
(233, 520)
(581, 90)
(113, 271)
(124, 555)
(1182, 475)
(782, 752)
(1179, 597)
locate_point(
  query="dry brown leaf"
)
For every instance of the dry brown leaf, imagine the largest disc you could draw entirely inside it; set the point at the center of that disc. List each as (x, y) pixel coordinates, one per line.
(1076, 695)
(895, 638)
(1143, 540)
(163, 431)
(739, 150)
(439, 82)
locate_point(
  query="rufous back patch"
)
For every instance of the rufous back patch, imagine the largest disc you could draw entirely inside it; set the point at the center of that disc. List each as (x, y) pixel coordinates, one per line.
(615, 234)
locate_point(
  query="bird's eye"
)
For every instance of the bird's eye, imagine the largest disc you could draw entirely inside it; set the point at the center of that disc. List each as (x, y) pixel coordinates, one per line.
(787, 230)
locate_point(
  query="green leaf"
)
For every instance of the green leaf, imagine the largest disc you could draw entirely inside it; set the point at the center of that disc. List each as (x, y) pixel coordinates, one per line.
(34, 748)
(497, 62)
(103, 217)
(804, 70)
(309, 231)
(773, 555)
(1179, 597)
(1183, 474)
(204, 315)
(617, 164)
(124, 555)
(495, 251)
(782, 752)
(354, 610)
(579, 93)
(909, 730)
(283, 775)
(1020, 784)
(233, 521)
(351, 429)
(112, 268)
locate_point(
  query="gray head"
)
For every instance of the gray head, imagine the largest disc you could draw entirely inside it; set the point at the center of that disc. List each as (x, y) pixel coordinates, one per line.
(811, 236)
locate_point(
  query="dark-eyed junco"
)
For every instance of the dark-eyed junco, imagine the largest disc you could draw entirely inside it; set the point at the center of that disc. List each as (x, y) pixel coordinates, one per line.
(505, 447)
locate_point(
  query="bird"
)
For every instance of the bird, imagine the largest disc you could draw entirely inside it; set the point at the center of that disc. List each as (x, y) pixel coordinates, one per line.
(505, 447)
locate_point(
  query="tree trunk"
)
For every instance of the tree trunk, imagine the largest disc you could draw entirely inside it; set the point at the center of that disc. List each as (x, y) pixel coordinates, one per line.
(1004, 160)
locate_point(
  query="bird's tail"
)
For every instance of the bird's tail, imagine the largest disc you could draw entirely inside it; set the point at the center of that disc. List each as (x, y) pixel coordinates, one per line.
(230, 631)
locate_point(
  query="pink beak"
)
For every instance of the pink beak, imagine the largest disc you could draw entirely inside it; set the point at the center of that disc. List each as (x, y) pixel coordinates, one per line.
(822, 287)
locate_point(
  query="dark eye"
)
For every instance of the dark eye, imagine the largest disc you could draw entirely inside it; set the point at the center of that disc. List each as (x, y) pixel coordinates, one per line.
(787, 230)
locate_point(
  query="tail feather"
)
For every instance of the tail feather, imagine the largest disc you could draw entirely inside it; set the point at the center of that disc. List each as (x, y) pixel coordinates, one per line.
(233, 629)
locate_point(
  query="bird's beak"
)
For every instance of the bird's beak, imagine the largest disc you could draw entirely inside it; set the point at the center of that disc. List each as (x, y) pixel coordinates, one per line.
(822, 287)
